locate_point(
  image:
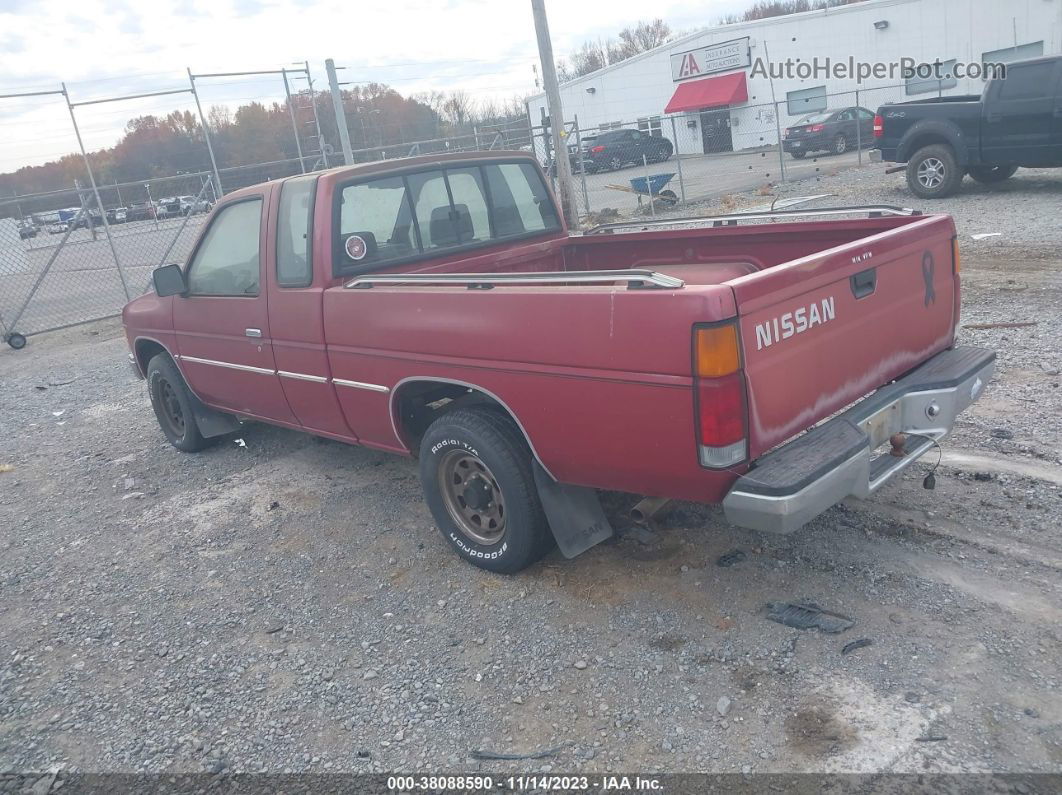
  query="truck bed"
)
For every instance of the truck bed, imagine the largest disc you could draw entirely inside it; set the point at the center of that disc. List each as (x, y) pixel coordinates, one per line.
(599, 374)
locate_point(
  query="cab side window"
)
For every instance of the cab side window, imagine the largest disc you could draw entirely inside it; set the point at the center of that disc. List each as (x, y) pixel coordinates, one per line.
(227, 261)
(294, 228)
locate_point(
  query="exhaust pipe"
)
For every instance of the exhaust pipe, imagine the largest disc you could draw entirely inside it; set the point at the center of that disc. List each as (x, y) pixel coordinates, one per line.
(649, 507)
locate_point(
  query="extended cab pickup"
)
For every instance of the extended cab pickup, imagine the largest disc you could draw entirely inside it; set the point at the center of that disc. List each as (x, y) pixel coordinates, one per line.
(438, 307)
(1016, 122)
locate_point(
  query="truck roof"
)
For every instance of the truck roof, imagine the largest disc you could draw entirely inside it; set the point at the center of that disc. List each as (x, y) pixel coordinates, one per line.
(400, 164)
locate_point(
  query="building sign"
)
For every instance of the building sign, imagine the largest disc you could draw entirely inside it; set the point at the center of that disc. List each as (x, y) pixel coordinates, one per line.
(723, 57)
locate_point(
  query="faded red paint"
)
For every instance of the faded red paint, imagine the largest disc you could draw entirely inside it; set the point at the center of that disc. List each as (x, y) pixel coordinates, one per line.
(599, 377)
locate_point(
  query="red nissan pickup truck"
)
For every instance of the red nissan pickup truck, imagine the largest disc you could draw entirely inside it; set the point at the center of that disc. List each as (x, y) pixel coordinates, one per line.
(437, 307)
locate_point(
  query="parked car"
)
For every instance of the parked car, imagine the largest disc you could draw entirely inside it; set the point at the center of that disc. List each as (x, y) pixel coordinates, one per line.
(1015, 123)
(117, 215)
(834, 131)
(437, 307)
(140, 211)
(614, 149)
(26, 230)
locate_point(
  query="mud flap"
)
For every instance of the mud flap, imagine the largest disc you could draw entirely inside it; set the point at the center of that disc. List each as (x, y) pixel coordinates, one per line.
(574, 514)
(211, 422)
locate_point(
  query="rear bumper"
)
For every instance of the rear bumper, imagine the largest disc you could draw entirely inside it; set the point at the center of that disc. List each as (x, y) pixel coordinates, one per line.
(841, 458)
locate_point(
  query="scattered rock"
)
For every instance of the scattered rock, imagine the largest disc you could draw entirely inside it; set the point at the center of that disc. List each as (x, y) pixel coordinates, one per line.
(722, 706)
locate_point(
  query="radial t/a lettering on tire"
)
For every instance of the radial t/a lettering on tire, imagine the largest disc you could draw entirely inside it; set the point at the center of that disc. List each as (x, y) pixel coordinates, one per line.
(172, 402)
(475, 468)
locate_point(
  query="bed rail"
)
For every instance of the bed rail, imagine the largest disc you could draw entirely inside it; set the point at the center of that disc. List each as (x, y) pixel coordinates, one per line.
(635, 279)
(871, 210)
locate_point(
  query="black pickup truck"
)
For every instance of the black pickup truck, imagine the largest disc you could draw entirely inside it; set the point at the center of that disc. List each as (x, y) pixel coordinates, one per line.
(1016, 122)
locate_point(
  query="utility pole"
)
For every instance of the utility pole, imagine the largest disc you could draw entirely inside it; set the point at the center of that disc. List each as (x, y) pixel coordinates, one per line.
(556, 114)
(341, 114)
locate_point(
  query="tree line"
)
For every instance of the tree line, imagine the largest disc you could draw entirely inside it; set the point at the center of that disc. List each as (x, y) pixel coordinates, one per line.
(379, 118)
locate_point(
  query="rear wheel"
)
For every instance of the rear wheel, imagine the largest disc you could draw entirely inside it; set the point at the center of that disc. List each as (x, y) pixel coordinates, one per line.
(172, 401)
(615, 163)
(933, 172)
(990, 175)
(798, 155)
(840, 144)
(475, 468)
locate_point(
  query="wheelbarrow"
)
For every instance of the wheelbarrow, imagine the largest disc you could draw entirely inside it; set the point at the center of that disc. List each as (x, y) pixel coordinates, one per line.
(653, 186)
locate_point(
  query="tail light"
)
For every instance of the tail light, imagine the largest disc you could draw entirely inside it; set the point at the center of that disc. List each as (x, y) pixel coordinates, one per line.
(956, 262)
(720, 396)
(816, 128)
(879, 126)
(597, 148)
(785, 132)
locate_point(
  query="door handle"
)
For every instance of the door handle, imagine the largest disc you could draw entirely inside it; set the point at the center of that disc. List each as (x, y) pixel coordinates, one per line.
(252, 332)
(864, 282)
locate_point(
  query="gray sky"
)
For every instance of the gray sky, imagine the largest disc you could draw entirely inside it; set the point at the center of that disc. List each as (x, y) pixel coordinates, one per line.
(107, 48)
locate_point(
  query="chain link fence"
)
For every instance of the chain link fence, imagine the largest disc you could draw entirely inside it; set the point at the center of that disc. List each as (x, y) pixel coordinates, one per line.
(66, 258)
(639, 166)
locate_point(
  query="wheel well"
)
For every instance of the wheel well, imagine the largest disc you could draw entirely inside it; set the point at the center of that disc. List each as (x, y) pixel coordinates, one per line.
(926, 139)
(145, 350)
(417, 404)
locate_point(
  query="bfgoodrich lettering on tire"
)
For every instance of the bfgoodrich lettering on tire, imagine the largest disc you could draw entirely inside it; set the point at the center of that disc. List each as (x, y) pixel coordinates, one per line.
(475, 468)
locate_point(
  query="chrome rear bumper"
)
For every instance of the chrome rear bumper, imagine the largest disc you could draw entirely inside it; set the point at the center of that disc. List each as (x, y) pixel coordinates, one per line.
(793, 484)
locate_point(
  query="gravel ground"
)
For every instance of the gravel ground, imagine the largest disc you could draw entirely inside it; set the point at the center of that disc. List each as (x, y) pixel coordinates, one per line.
(289, 605)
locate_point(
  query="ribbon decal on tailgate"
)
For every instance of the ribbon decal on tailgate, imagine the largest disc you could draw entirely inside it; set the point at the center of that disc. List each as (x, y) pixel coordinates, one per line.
(928, 267)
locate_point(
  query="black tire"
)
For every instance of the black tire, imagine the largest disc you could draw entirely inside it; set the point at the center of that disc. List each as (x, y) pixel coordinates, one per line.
(16, 340)
(799, 155)
(173, 406)
(840, 144)
(485, 463)
(933, 172)
(615, 163)
(990, 175)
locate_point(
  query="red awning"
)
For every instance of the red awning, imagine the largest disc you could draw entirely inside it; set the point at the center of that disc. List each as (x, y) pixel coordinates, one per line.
(710, 92)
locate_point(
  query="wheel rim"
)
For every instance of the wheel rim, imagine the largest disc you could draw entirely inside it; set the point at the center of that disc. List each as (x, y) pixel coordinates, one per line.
(615, 164)
(931, 172)
(171, 407)
(472, 497)
(841, 144)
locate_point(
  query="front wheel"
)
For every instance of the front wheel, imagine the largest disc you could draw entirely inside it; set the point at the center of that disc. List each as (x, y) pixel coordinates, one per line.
(990, 175)
(172, 402)
(475, 468)
(933, 172)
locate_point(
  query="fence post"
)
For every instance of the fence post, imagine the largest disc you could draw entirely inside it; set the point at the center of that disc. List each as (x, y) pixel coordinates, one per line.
(206, 136)
(678, 159)
(96, 194)
(316, 118)
(582, 166)
(294, 123)
(778, 144)
(859, 130)
(648, 187)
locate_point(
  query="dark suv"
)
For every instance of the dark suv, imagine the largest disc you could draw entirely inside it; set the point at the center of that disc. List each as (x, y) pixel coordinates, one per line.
(834, 131)
(615, 149)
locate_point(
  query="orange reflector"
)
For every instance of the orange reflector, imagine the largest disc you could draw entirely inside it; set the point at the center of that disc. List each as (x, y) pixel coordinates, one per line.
(717, 351)
(956, 264)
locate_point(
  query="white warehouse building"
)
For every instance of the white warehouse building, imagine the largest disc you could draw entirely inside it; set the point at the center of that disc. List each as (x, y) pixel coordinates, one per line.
(718, 89)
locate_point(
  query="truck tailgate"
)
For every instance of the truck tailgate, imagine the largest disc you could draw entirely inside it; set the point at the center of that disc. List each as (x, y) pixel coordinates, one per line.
(822, 331)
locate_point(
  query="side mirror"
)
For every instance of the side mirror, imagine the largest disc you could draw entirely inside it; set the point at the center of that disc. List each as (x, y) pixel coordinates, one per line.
(169, 280)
